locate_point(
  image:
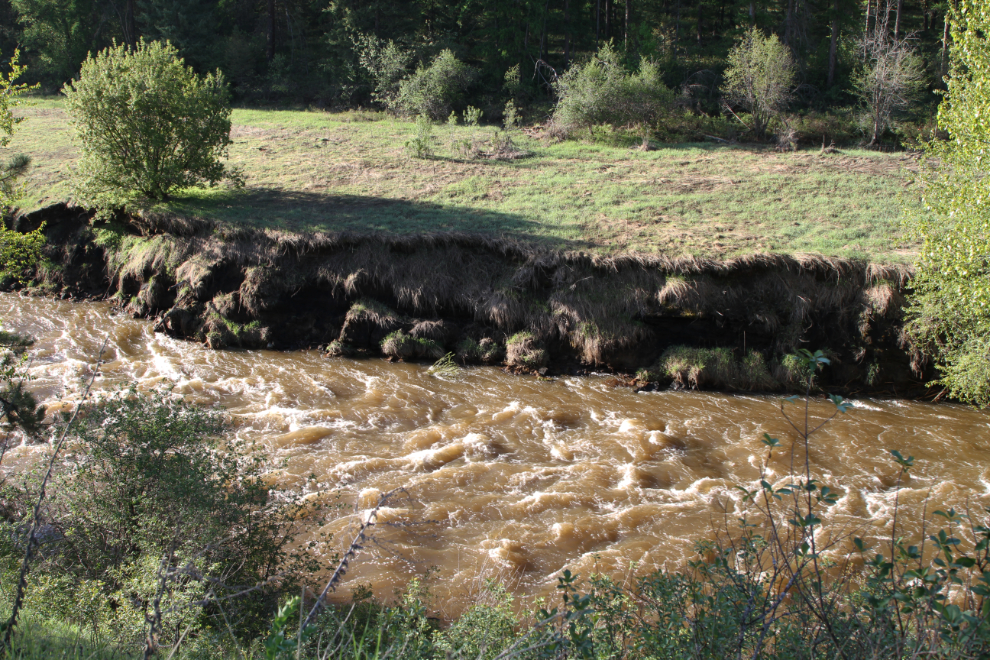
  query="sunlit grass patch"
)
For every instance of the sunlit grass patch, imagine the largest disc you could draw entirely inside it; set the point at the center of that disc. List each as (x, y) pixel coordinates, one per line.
(315, 171)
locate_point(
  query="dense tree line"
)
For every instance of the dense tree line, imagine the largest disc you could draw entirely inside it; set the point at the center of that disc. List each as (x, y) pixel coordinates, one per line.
(311, 50)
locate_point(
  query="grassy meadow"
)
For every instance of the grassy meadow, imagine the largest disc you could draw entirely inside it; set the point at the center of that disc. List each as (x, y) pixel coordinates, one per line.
(308, 171)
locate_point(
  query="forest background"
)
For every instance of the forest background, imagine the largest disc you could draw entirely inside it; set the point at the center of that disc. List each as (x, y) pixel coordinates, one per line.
(315, 52)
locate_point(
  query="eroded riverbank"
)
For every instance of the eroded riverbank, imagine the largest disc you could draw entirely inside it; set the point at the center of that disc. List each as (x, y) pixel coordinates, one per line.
(691, 323)
(522, 477)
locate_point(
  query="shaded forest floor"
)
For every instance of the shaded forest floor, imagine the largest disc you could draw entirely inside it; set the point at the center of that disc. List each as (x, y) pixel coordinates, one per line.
(315, 171)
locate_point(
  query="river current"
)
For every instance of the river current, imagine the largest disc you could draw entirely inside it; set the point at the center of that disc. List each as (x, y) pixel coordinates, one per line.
(510, 477)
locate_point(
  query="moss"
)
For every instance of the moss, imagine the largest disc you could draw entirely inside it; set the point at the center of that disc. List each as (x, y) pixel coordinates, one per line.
(523, 350)
(400, 345)
(338, 348)
(714, 368)
(794, 371)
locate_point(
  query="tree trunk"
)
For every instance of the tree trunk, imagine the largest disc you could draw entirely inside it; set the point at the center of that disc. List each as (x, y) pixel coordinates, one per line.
(270, 32)
(608, 19)
(598, 22)
(130, 26)
(567, 32)
(866, 29)
(628, 24)
(752, 13)
(944, 66)
(677, 26)
(833, 44)
(700, 5)
(788, 22)
(897, 19)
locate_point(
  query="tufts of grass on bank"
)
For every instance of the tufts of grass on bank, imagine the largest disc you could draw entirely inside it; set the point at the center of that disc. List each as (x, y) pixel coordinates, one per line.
(317, 171)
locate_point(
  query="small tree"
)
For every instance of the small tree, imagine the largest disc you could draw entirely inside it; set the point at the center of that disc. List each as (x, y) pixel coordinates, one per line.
(15, 166)
(148, 125)
(951, 311)
(602, 91)
(759, 77)
(891, 77)
(386, 63)
(436, 90)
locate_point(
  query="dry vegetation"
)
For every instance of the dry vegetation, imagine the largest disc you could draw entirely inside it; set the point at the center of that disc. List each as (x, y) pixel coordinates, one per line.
(313, 171)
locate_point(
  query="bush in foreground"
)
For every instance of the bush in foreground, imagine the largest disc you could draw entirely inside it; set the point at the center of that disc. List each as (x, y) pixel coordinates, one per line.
(147, 124)
(951, 312)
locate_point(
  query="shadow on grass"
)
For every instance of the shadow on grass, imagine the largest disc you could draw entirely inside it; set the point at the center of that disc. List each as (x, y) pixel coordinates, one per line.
(306, 211)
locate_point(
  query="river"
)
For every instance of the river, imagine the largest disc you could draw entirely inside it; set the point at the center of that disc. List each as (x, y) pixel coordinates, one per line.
(513, 477)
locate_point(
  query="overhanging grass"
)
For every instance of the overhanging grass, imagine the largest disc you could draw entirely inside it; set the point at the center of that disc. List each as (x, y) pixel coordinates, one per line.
(315, 171)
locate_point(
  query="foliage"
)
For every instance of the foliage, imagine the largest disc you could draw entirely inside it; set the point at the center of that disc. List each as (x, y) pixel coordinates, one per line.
(18, 406)
(951, 313)
(147, 124)
(386, 64)
(436, 90)
(19, 252)
(16, 165)
(890, 80)
(602, 91)
(421, 144)
(759, 77)
(152, 520)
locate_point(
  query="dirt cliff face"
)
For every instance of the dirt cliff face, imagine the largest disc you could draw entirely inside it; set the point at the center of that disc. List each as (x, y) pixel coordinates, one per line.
(687, 322)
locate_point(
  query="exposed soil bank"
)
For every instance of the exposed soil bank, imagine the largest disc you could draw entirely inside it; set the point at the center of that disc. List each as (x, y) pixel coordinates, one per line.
(688, 322)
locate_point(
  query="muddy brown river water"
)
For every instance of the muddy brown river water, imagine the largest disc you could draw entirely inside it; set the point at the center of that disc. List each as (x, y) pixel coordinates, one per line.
(522, 477)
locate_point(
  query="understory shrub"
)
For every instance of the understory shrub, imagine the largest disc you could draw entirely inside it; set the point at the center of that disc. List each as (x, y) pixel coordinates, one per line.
(435, 90)
(759, 77)
(602, 91)
(151, 518)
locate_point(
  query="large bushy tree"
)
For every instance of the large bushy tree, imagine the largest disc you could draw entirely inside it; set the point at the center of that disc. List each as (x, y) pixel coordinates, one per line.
(148, 124)
(952, 287)
(760, 77)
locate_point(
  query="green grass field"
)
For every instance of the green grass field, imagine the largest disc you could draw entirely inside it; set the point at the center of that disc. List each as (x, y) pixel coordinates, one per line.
(316, 171)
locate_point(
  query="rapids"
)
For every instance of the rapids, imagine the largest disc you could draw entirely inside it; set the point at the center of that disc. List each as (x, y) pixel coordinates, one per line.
(513, 477)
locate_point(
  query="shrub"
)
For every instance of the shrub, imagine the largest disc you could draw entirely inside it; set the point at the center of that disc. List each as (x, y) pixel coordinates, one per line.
(758, 78)
(150, 513)
(436, 90)
(890, 79)
(19, 253)
(147, 124)
(18, 164)
(386, 63)
(950, 314)
(421, 144)
(602, 91)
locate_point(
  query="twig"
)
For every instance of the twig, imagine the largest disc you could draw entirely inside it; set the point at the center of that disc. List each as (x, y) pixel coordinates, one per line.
(32, 528)
(352, 551)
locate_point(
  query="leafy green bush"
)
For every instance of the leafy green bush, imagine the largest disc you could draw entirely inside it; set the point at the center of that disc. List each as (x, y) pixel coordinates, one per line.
(386, 63)
(421, 144)
(602, 91)
(20, 253)
(17, 165)
(436, 90)
(758, 78)
(950, 316)
(147, 124)
(152, 518)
